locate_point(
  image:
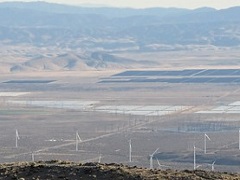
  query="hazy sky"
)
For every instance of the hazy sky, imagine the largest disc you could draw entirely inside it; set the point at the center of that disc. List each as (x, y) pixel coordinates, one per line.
(219, 4)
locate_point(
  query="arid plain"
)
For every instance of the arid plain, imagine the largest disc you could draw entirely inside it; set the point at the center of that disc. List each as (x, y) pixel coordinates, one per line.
(48, 108)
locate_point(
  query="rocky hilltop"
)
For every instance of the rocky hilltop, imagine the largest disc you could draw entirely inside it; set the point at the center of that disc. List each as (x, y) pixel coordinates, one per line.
(69, 170)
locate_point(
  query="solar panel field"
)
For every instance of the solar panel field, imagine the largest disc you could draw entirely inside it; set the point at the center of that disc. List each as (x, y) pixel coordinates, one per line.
(170, 116)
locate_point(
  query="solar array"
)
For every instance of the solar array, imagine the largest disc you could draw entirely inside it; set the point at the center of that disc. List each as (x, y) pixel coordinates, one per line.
(177, 76)
(76, 105)
(142, 110)
(186, 72)
(29, 81)
(116, 109)
(12, 94)
(233, 108)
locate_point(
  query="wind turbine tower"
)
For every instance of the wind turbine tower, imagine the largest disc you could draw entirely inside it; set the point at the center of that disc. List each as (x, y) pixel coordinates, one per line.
(213, 165)
(33, 157)
(205, 142)
(17, 138)
(239, 139)
(151, 158)
(78, 139)
(100, 158)
(194, 157)
(130, 150)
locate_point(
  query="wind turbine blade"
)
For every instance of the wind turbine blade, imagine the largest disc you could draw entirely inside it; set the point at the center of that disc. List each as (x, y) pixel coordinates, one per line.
(155, 151)
(198, 166)
(158, 163)
(208, 137)
(213, 163)
(78, 137)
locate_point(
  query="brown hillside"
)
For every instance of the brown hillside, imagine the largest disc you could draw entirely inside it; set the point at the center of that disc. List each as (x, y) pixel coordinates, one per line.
(88, 171)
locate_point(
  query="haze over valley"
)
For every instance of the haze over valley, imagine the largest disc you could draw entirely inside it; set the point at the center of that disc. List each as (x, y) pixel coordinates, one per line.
(156, 88)
(36, 36)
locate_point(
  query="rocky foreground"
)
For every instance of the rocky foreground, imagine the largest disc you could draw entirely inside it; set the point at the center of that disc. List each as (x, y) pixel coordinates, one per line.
(69, 170)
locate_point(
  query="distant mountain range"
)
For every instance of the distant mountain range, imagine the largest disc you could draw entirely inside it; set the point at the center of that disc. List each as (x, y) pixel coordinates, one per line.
(46, 24)
(110, 30)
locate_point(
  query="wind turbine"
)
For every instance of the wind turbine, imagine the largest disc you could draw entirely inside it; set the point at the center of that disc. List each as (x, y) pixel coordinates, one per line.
(194, 157)
(100, 158)
(161, 165)
(17, 138)
(213, 165)
(78, 139)
(130, 150)
(151, 158)
(205, 142)
(33, 158)
(239, 139)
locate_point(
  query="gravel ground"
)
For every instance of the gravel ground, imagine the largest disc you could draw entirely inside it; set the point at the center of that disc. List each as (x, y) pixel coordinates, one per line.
(88, 171)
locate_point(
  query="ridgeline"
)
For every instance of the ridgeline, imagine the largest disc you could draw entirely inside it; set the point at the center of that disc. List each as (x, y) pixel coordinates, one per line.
(88, 171)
